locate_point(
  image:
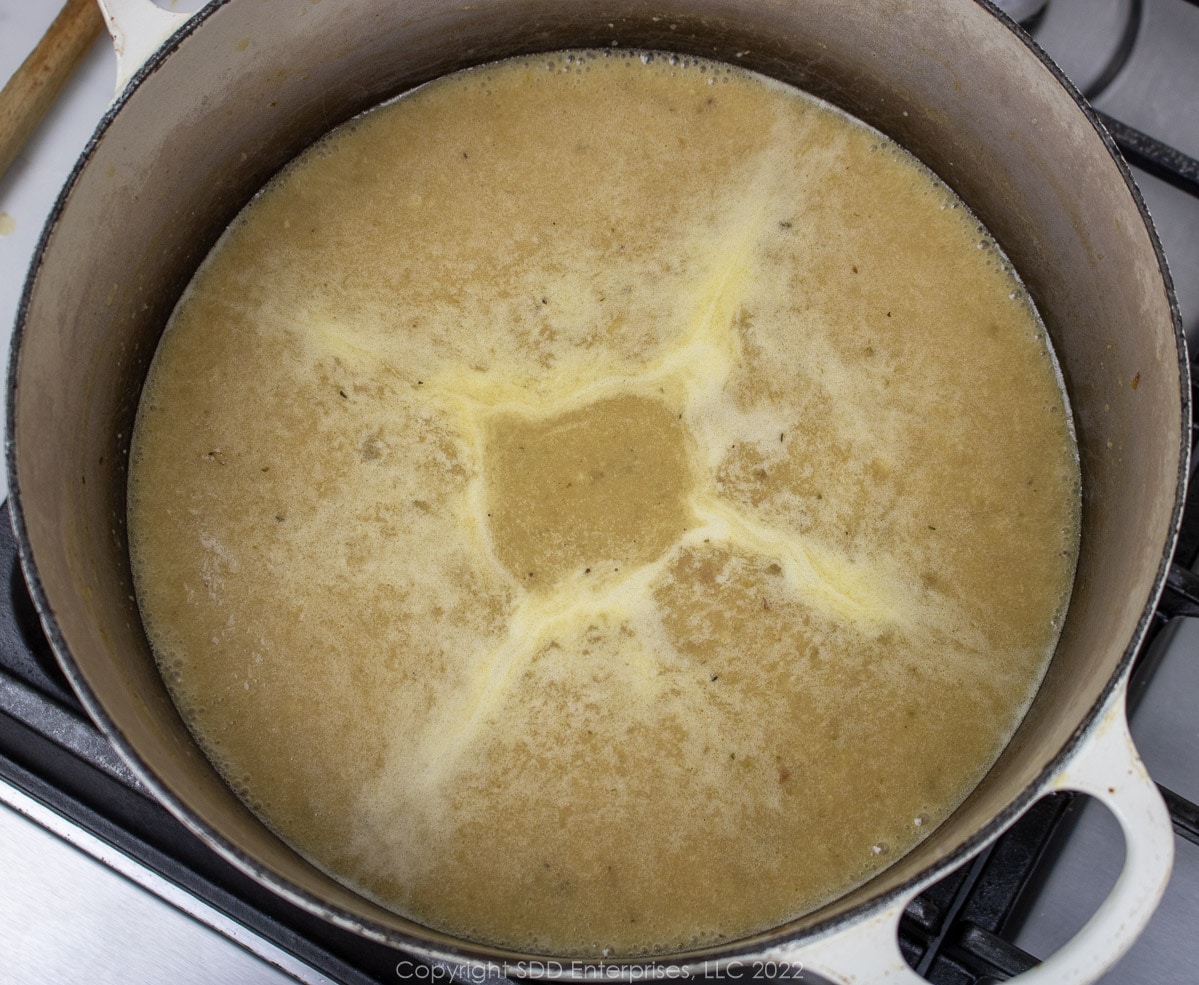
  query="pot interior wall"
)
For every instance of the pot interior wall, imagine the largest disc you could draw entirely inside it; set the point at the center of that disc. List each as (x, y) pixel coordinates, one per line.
(256, 82)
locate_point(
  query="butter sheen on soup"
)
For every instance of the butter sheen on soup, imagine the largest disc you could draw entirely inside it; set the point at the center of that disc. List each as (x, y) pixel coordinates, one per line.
(602, 504)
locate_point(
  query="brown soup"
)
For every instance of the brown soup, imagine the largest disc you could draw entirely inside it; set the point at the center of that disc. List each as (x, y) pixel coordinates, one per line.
(604, 503)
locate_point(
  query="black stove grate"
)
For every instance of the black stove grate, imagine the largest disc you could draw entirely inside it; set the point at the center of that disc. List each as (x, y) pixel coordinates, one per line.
(955, 933)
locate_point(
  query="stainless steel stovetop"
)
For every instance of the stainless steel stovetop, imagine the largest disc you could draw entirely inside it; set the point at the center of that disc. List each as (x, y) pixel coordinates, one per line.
(107, 894)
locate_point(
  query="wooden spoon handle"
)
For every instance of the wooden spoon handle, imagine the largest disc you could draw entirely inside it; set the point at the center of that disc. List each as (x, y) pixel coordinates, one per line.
(35, 85)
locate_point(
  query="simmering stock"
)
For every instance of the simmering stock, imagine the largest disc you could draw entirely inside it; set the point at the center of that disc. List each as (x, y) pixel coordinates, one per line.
(603, 504)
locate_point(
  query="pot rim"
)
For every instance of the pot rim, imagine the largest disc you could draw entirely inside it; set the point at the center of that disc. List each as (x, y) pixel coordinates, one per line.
(472, 953)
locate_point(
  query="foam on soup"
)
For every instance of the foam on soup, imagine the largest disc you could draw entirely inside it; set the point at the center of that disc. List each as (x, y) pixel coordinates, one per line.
(602, 504)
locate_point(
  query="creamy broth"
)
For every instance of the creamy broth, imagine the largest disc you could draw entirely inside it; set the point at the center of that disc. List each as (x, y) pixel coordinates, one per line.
(603, 504)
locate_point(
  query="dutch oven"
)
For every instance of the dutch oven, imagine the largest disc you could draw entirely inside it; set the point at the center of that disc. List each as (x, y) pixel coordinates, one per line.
(211, 106)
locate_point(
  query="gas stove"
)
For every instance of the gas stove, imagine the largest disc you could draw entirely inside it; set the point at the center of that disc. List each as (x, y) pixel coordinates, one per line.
(101, 884)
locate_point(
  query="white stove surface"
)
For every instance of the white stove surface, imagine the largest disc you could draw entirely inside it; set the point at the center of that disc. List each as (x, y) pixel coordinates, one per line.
(76, 910)
(66, 917)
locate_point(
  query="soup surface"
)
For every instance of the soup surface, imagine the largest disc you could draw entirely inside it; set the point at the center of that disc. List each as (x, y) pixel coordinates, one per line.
(603, 504)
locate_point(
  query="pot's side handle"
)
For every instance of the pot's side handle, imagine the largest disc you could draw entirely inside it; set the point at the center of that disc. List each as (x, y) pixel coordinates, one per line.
(1105, 766)
(138, 29)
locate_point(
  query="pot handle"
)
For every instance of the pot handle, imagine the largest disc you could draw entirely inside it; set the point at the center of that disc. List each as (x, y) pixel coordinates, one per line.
(1105, 766)
(138, 29)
